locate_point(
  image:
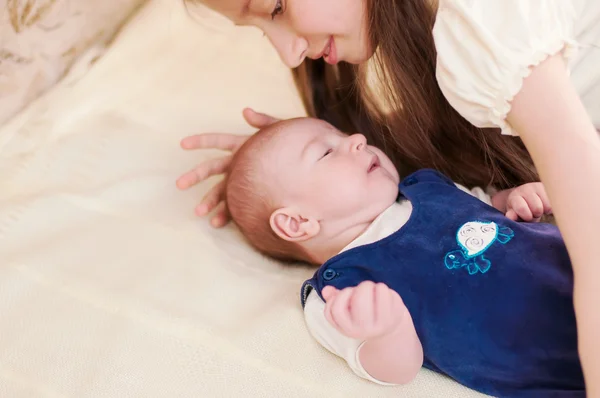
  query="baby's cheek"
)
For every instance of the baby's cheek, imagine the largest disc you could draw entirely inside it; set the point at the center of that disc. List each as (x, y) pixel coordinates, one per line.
(346, 195)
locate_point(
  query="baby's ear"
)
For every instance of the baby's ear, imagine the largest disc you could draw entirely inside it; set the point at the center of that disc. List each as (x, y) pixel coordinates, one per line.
(289, 225)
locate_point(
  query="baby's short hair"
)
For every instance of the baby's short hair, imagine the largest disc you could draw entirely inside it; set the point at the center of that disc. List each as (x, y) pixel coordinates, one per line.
(250, 198)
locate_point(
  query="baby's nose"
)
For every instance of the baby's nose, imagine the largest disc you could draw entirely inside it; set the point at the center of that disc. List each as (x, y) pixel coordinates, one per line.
(358, 142)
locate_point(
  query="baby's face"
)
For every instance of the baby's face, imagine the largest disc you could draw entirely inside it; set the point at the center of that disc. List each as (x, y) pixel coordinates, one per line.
(329, 175)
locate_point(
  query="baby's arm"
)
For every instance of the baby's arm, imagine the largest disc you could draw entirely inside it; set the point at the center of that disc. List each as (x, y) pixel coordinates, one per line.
(528, 202)
(370, 328)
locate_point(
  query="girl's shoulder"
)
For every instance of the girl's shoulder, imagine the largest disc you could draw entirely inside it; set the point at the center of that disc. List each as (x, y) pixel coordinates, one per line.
(486, 48)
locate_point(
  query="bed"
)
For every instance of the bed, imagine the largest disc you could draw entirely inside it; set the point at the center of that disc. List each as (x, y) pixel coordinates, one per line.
(109, 285)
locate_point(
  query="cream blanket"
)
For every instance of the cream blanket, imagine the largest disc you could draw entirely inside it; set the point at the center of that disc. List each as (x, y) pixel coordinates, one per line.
(109, 285)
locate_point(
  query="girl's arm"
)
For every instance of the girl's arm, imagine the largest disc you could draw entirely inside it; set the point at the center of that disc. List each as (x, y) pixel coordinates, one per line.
(555, 127)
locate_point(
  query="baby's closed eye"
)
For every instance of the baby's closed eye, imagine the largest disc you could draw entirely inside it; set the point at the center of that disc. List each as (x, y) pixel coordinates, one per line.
(327, 152)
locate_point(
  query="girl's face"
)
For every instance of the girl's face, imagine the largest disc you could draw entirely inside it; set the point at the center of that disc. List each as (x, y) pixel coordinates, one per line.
(332, 29)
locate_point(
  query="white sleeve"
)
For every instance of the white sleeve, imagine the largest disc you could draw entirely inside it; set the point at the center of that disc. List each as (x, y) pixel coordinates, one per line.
(330, 338)
(477, 192)
(486, 48)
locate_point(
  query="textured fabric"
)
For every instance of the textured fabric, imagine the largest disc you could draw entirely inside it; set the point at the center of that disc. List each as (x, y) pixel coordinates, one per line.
(486, 49)
(41, 39)
(491, 299)
(109, 285)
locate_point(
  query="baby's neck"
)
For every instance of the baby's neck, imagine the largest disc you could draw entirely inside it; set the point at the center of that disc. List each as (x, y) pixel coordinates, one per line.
(321, 250)
(329, 245)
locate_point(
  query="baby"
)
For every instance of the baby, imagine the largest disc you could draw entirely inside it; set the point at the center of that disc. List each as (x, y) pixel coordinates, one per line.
(422, 272)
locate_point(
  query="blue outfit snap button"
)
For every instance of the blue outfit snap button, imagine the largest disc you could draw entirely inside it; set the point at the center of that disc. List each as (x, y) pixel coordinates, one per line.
(329, 274)
(410, 181)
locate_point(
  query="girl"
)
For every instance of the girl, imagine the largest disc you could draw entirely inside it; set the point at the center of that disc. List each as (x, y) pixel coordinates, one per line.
(449, 73)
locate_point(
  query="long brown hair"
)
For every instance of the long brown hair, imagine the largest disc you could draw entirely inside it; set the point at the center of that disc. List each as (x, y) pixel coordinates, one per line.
(422, 130)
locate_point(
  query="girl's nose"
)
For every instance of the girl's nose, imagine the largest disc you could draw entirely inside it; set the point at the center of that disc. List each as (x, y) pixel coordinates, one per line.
(291, 47)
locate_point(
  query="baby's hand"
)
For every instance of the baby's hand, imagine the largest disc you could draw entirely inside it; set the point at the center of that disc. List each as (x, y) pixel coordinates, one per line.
(364, 312)
(529, 202)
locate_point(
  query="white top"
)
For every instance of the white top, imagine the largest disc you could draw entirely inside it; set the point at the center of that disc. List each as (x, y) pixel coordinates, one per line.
(328, 336)
(486, 48)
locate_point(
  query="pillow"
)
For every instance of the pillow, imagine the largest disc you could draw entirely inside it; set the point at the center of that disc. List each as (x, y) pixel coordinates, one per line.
(40, 40)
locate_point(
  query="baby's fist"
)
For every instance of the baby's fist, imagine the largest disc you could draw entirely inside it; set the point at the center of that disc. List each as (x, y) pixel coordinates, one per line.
(367, 311)
(529, 202)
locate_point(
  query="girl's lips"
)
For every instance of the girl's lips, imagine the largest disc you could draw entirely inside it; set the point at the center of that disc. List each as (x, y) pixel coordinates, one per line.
(330, 53)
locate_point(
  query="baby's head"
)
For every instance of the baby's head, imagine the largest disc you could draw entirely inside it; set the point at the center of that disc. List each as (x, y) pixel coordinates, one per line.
(302, 190)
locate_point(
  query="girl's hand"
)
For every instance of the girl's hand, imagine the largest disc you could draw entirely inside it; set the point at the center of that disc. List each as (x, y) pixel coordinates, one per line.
(226, 142)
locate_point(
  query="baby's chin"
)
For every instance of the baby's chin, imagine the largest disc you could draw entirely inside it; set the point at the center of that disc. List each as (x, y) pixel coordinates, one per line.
(383, 196)
(385, 182)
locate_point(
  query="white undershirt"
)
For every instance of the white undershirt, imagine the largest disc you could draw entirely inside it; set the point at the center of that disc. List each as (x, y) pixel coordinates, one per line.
(388, 222)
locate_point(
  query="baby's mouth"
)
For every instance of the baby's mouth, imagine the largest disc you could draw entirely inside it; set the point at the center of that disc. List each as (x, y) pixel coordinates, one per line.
(374, 165)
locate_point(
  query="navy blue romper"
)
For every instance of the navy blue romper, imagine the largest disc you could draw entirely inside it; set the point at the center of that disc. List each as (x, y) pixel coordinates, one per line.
(491, 299)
